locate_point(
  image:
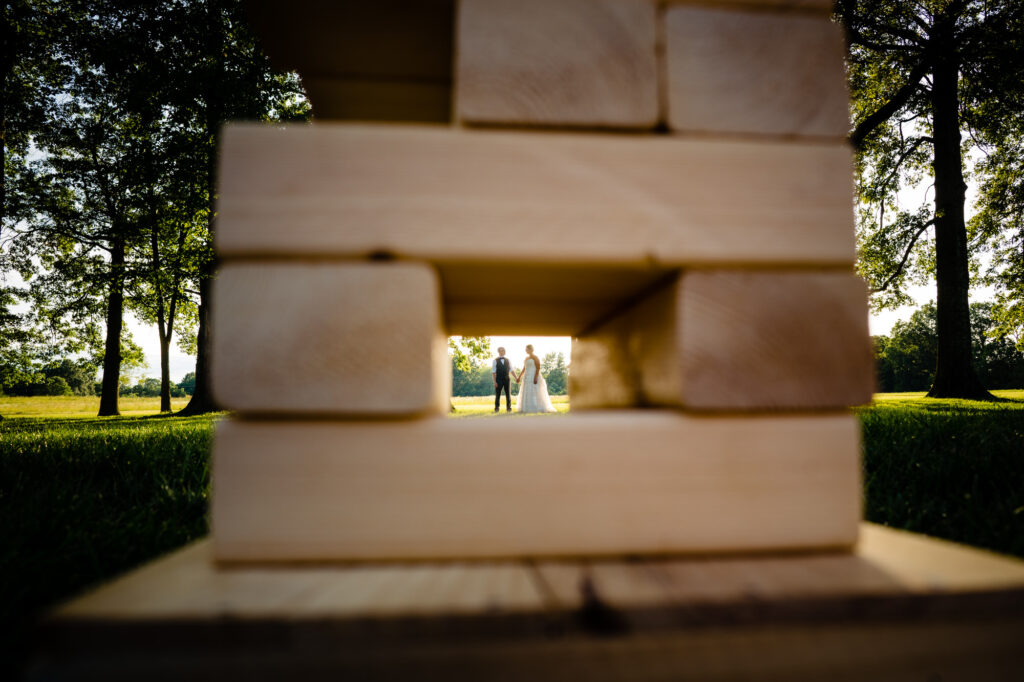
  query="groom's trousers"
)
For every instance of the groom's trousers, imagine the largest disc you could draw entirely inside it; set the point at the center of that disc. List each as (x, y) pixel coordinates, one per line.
(503, 385)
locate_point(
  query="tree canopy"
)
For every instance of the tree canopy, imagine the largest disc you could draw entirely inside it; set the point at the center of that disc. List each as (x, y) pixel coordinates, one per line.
(935, 84)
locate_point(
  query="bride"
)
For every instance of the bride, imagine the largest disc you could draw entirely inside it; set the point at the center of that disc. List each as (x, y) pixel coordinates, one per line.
(533, 390)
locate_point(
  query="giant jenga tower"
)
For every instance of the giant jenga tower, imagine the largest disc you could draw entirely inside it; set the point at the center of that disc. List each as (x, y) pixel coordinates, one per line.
(668, 183)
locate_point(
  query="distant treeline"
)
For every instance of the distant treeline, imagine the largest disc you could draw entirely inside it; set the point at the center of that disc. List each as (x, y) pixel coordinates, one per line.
(78, 377)
(905, 359)
(477, 380)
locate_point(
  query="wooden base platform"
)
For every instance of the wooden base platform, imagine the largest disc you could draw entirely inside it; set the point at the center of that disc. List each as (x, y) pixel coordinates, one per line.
(900, 607)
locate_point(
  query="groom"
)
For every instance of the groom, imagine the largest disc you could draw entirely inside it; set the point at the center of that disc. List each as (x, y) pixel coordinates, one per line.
(500, 370)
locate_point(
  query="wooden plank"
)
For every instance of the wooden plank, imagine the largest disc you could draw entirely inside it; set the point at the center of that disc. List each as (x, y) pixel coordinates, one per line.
(338, 338)
(533, 486)
(185, 617)
(566, 63)
(928, 565)
(493, 197)
(187, 585)
(886, 571)
(755, 73)
(368, 99)
(734, 340)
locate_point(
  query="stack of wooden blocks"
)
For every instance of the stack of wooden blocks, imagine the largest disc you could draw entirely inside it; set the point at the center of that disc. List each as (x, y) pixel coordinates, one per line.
(669, 183)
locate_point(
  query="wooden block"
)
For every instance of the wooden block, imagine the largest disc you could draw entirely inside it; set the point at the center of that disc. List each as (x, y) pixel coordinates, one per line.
(379, 100)
(541, 299)
(566, 63)
(338, 338)
(756, 73)
(500, 197)
(187, 585)
(610, 483)
(735, 340)
(394, 39)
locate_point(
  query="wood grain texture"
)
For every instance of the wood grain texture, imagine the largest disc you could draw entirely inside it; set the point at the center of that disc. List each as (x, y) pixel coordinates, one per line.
(566, 63)
(337, 338)
(755, 73)
(726, 340)
(614, 483)
(487, 197)
(369, 99)
(187, 585)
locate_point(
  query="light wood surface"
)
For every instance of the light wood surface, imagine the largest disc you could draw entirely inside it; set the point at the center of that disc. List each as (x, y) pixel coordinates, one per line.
(727, 340)
(330, 338)
(755, 73)
(900, 607)
(448, 196)
(610, 483)
(566, 63)
(885, 563)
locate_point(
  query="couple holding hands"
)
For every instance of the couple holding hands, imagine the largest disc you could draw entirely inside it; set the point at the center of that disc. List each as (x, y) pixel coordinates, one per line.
(533, 390)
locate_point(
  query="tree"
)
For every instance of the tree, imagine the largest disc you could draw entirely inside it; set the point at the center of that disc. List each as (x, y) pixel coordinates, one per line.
(921, 74)
(906, 357)
(224, 76)
(465, 351)
(90, 190)
(188, 383)
(555, 373)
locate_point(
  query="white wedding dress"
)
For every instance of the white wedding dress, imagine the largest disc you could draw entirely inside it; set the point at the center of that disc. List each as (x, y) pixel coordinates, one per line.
(533, 397)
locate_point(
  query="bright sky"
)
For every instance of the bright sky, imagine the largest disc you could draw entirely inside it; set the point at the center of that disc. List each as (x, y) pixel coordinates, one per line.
(515, 346)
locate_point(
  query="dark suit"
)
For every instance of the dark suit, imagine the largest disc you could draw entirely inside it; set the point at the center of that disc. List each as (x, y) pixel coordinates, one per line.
(502, 367)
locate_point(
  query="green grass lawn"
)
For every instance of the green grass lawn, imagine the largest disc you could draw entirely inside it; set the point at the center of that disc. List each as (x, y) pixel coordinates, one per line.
(83, 499)
(949, 468)
(80, 406)
(484, 406)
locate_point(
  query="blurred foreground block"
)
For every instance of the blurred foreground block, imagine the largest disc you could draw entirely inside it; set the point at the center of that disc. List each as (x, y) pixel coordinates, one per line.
(755, 73)
(499, 197)
(330, 338)
(568, 63)
(633, 482)
(733, 340)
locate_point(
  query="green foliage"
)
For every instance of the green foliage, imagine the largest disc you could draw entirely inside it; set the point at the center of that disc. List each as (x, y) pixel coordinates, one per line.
(475, 380)
(894, 47)
(949, 468)
(906, 359)
(188, 383)
(82, 500)
(932, 82)
(556, 374)
(466, 351)
(122, 109)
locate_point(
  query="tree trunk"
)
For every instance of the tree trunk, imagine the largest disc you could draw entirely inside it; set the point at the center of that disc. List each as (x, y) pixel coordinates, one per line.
(165, 373)
(115, 320)
(954, 372)
(202, 397)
